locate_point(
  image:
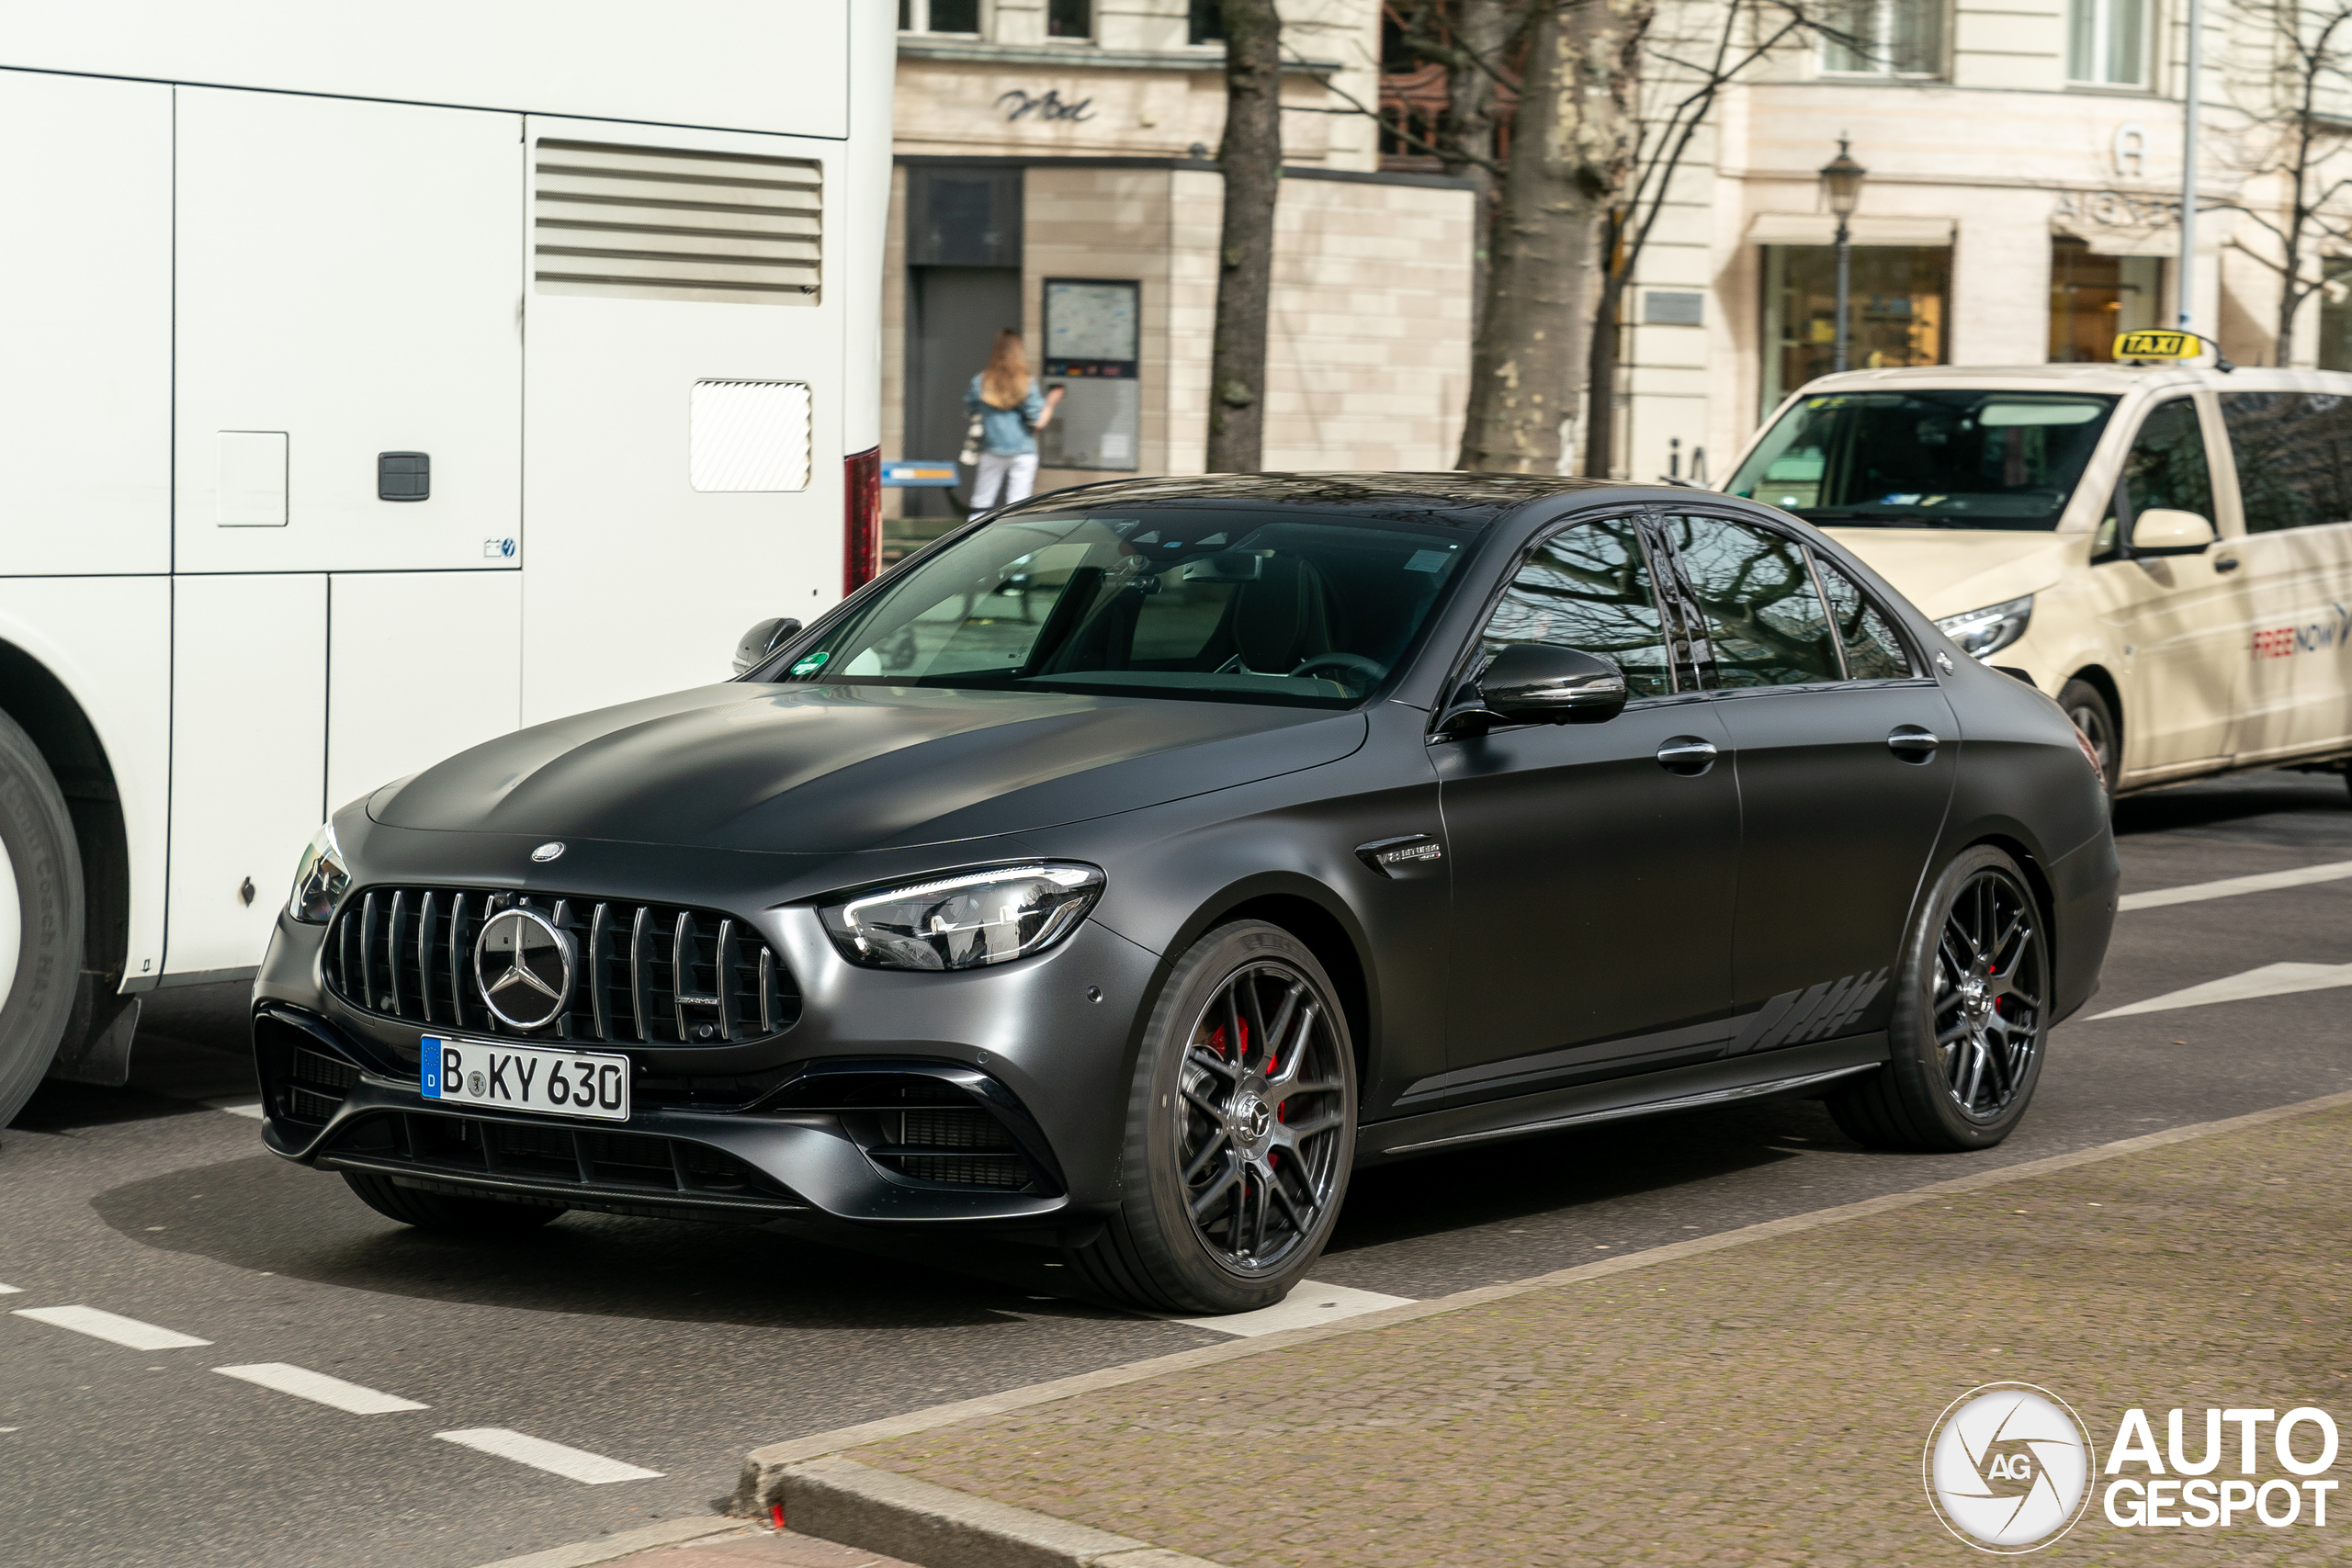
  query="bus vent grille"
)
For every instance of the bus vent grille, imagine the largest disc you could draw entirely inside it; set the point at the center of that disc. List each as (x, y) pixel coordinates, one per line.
(666, 223)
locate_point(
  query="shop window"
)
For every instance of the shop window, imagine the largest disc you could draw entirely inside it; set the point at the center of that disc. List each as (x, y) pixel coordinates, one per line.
(2336, 316)
(1207, 23)
(939, 16)
(1070, 19)
(2107, 42)
(1884, 38)
(1895, 310)
(2092, 297)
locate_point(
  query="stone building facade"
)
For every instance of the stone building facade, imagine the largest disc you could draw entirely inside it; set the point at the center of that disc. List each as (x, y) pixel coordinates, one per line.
(1055, 173)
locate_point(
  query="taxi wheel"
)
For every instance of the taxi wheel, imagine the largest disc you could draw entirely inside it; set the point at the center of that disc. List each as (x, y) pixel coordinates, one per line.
(2086, 705)
(443, 1211)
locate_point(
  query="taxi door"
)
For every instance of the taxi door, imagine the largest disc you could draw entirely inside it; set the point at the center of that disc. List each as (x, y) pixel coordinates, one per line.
(2289, 448)
(2182, 621)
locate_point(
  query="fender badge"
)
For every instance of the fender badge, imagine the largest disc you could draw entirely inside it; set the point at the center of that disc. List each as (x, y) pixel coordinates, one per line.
(547, 853)
(1408, 856)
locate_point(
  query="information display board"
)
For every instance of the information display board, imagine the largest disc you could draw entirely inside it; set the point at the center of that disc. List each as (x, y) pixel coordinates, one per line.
(1092, 332)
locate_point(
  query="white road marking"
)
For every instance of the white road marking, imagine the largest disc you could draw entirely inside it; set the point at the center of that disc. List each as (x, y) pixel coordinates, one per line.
(577, 1464)
(1308, 1303)
(2271, 980)
(126, 1331)
(2231, 886)
(11, 1290)
(238, 1107)
(303, 1383)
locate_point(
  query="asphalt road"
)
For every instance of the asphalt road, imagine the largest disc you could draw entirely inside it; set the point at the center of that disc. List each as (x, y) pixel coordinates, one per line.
(674, 1348)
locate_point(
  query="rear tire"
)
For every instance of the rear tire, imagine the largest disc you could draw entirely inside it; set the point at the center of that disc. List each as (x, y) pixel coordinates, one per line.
(40, 917)
(1971, 1011)
(1237, 1158)
(441, 1212)
(2087, 707)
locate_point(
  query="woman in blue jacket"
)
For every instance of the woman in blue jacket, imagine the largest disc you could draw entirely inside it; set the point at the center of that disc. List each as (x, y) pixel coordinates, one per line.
(1011, 411)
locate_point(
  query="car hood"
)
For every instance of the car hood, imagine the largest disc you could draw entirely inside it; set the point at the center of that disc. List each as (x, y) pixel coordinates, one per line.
(836, 768)
(1947, 570)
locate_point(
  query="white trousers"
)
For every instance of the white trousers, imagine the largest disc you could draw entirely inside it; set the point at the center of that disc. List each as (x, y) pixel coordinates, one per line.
(1015, 474)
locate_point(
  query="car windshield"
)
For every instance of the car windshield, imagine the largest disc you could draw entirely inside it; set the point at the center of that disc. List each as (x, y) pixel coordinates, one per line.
(1958, 459)
(1221, 605)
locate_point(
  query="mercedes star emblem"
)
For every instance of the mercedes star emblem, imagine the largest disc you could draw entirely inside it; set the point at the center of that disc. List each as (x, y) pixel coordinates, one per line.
(523, 964)
(547, 853)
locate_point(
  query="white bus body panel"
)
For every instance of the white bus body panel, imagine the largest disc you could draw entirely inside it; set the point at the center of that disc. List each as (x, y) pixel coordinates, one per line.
(85, 326)
(730, 63)
(249, 713)
(108, 640)
(607, 431)
(350, 280)
(421, 665)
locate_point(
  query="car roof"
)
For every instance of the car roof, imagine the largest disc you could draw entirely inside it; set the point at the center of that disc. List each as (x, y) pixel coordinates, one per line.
(2113, 379)
(1447, 499)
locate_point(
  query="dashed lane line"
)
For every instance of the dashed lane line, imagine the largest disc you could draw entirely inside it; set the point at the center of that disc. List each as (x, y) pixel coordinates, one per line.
(2231, 886)
(321, 1388)
(124, 1331)
(576, 1464)
(11, 1290)
(2271, 980)
(1307, 1303)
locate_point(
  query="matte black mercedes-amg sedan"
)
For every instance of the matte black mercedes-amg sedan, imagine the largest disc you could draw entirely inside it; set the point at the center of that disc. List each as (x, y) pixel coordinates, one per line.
(1123, 870)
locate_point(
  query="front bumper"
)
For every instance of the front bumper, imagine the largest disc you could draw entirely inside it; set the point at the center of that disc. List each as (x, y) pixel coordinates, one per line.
(798, 1127)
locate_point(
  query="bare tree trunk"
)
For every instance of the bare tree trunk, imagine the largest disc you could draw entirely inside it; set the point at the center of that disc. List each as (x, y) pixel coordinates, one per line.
(1571, 145)
(1618, 42)
(1465, 131)
(1251, 159)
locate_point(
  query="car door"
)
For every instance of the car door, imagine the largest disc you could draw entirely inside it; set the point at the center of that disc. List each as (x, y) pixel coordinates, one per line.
(2183, 619)
(1845, 751)
(2293, 456)
(1593, 863)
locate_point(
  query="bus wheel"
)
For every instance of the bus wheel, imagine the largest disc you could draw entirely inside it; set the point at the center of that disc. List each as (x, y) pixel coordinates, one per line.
(41, 916)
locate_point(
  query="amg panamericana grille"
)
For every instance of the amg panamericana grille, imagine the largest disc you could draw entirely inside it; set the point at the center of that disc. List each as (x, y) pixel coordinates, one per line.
(643, 974)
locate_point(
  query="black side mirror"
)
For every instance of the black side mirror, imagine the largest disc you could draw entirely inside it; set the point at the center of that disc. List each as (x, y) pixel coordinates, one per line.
(764, 639)
(1530, 682)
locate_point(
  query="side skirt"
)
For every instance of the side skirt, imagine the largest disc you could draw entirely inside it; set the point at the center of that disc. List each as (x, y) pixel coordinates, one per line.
(1789, 1071)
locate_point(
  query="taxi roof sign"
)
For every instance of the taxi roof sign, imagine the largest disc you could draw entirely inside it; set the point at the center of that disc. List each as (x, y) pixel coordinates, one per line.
(2158, 345)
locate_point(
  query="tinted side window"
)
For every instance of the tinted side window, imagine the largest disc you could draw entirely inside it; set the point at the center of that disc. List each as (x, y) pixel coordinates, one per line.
(1873, 651)
(2294, 457)
(1765, 620)
(1588, 588)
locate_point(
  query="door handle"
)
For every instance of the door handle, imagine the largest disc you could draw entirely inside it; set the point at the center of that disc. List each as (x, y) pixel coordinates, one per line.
(1912, 744)
(2226, 563)
(1687, 755)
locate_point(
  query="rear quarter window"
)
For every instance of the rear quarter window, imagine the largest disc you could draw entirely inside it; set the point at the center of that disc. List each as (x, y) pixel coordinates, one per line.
(2294, 457)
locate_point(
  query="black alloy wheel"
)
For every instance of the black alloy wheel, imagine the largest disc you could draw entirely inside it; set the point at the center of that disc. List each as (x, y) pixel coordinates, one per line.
(1971, 1016)
(2087, 706)
(1241, 1126)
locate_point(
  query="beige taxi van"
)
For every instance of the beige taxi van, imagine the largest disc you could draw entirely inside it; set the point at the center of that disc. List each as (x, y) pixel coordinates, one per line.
(2167, 551)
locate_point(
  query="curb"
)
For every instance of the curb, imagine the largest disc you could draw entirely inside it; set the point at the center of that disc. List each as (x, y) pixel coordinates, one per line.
(854, 1504)
(881, 1510)
(605, 1548)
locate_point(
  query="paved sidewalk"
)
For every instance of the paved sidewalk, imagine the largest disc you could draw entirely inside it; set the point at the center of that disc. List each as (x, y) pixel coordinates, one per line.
(1763, 1403)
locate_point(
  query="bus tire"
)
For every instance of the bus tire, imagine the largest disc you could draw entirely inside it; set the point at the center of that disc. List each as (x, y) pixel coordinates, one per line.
(41, 916)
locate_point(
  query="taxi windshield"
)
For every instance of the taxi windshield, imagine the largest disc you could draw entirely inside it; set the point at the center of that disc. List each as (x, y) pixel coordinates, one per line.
(1955, 458)
(1203, 605)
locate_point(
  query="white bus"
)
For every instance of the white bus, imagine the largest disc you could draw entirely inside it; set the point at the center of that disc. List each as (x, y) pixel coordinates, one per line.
(374, 380)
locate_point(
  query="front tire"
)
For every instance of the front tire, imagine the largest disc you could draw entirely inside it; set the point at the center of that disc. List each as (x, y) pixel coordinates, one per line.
(1971, 1013)
(1240, 1131)
(40, 917)
(442, 1211)
(2087, 707)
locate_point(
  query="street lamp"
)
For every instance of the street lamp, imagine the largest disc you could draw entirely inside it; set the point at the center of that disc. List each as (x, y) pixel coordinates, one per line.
(1841, 186)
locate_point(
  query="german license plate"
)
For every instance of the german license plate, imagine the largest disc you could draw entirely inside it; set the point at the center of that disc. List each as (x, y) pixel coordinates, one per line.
(515, 1078)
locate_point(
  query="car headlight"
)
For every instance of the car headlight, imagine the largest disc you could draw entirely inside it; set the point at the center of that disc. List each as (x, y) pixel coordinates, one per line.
(1987, 631)
(965, 921)
(320, 879)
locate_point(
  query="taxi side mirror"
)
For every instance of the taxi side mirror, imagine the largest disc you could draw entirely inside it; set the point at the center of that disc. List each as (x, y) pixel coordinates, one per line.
(2162, 530)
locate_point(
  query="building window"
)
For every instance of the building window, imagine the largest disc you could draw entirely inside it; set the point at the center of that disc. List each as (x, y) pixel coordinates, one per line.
(2092, 297)
(2107, 42)
(1884, 38)
(1070, 19)
(1207, 23)
(1894, 312)
(2336, 316)
(939, 16)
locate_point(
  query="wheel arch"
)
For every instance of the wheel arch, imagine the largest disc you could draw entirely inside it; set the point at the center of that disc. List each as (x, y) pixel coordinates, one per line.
(60, 729)
(1317, 917)
(2037, 878)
